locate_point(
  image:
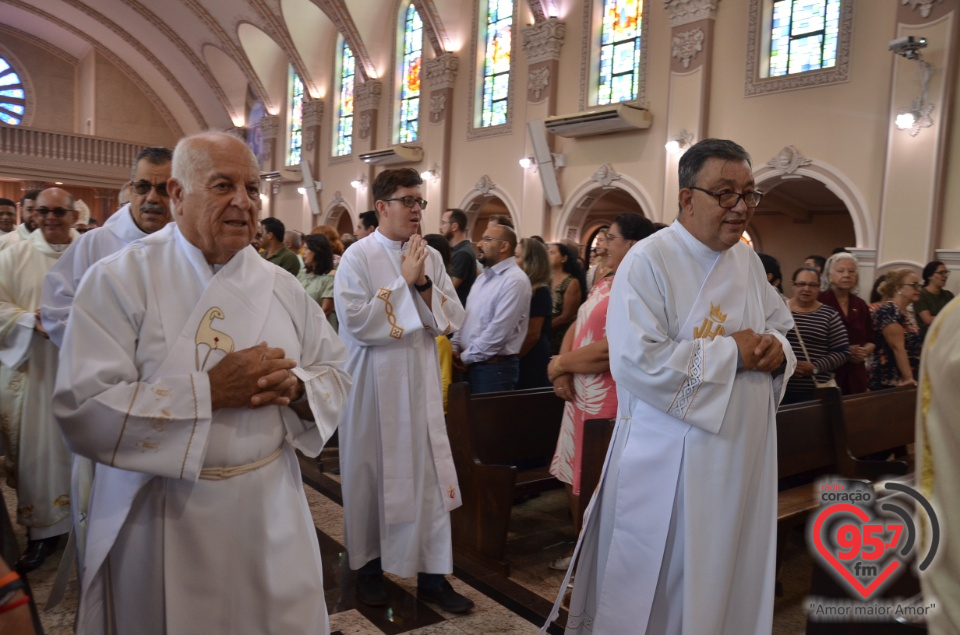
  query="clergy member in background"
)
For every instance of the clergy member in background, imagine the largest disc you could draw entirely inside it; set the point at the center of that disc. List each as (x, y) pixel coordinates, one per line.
(35, 457)
(8, 216)
(28, 221)
(938, 446)
(681, 537)
(393, 297)
(191, 370)
(147, 211)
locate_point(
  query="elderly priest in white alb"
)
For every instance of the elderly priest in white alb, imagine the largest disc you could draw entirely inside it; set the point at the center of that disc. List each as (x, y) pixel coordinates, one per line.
(191, 369)
(681, 536)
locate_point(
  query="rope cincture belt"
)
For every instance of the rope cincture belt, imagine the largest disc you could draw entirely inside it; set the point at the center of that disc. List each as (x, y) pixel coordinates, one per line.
(223, 473)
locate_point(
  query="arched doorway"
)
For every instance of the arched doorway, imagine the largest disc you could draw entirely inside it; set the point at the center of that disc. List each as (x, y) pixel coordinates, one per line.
(595, 210)
(479, 211)
(799, 216)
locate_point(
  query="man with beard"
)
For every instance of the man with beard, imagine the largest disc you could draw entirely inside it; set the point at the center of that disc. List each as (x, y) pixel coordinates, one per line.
(28, 221)
(463, 262)
(487, 347)
(8, 216)
(36, 458)
(147, 211)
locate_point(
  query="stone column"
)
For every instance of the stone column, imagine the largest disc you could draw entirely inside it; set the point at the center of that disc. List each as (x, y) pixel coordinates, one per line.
(691, 24)
(440, 74)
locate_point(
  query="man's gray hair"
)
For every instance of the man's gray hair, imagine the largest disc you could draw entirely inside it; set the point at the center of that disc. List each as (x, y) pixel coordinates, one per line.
(191, 158)
(155, 155)
(691, 163)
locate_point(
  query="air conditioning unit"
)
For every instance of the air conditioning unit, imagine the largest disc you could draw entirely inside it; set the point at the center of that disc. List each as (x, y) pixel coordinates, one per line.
(614, 118)
(393, 154)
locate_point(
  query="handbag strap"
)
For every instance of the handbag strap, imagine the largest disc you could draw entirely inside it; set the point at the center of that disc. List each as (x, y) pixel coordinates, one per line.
(796, 327)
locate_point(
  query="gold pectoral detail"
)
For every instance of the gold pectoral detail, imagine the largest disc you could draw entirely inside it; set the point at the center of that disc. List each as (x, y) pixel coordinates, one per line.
(712, 324)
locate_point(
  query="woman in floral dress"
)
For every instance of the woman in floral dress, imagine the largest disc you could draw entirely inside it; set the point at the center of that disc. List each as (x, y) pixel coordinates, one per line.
(581, 372)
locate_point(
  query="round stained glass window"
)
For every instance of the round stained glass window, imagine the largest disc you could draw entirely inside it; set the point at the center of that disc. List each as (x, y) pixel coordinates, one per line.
(12, 97)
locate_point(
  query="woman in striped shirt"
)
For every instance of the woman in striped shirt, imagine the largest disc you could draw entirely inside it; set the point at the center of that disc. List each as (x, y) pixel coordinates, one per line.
(823, 333)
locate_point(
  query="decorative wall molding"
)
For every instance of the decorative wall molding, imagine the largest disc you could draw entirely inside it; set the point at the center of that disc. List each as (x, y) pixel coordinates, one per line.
(364, 121)
(367, 95)
(441, 72)
(543, 41)
(788, 161)
(686, 11)
(687, 44)
(485, 185)
(924, 6)
(272, 17)
(41, 43)
(269, 130)
(605, 175)
(438, 106)
(339, 14)
(432, 25)
(312, 113)
(537, 81)
(757, 85)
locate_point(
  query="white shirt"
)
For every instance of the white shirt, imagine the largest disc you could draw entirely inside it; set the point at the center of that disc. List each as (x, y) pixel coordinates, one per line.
(498, 310)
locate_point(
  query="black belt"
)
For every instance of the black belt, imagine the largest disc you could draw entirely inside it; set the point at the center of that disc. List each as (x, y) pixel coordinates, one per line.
(499, 359)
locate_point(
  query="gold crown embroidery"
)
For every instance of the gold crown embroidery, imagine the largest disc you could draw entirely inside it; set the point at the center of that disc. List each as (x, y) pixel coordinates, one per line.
(395, 331)
(712, 325)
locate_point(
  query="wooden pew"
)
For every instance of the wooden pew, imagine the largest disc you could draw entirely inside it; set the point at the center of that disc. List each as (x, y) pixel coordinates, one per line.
(872, 424)
(596, 439)
(502, 444)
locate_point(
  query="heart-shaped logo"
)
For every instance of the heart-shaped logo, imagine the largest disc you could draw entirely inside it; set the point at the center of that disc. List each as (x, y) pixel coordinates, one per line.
(859, 543)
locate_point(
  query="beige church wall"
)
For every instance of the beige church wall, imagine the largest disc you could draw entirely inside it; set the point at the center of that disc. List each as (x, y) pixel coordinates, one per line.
(791, 242)
(124, 112)
(52, 80)
(844, 125)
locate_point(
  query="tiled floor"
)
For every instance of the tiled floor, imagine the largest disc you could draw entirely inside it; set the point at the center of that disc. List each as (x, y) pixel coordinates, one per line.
(540, 532)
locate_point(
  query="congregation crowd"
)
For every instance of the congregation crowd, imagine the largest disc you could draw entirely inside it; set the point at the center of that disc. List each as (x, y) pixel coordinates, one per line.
(156, 373)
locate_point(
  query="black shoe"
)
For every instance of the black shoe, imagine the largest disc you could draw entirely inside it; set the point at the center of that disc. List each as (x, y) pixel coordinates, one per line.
(37, 553)
(370, 589)
(445, 597)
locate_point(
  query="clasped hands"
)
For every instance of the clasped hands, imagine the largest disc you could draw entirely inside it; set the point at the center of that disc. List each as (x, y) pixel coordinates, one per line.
(762, 353)
(254, 377)
(412, 265)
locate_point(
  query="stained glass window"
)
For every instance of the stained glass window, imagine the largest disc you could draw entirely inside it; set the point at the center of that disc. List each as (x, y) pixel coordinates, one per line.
(348, 69)
(803, 36)
(13, 100)
(296, 118)
(496, 64)
(620, 51)
(410, 88)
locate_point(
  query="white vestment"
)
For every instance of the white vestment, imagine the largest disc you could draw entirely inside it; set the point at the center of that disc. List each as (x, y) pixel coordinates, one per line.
(35, 451)
(938, 446)
(166, 552)
(20, 234)
(399, 481)
(681, 537)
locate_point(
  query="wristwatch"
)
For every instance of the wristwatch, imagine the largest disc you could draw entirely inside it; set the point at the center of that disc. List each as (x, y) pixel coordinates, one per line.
(423, 287)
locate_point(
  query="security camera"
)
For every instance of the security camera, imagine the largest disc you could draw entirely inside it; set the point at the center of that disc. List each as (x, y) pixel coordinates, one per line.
(908, 46)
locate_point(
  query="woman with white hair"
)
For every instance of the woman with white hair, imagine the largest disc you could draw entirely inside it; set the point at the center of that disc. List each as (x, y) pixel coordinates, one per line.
(840, 289)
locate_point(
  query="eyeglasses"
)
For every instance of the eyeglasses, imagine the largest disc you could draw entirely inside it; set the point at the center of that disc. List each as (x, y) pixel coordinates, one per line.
(408, 201)
(487, 239)
(143, 188)
(941, 273)
(915, 285)
(612, 236)
(811, 285)
(59, 212)
(729, 200)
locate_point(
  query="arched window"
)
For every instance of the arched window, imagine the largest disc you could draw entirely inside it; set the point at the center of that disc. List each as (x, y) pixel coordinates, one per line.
(295, 113)
(619, 76)
(348, 68)
(13, 99)
(496, 63)
(803, 35)
(409, 119)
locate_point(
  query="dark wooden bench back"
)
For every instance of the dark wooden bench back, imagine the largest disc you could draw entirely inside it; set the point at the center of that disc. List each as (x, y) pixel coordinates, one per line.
(596, 439)
(873, 424)
(805, 436)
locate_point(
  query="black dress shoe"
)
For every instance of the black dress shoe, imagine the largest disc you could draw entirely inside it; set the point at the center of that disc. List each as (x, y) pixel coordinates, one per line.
(36, 553)
(370, 589)
(445, 597)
